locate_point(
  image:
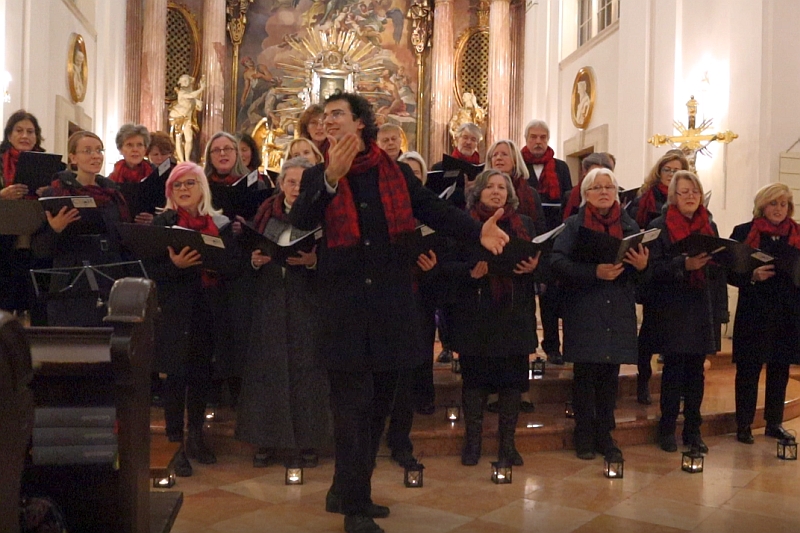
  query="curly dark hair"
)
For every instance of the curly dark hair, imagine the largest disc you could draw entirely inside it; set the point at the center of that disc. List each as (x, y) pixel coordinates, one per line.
(19, 116)
(255, 158)
(308, 115)
(362, 109)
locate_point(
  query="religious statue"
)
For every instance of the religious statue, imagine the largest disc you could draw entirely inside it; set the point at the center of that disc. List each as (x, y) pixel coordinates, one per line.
(183, 115)
(469, 112)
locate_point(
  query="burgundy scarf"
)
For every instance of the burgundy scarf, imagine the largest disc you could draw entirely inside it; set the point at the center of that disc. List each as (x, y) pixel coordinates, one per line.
(323, 147)
(102, 196)
(680, 227)
(203, 224)
(548, 187)
(527, 202)
(475, 158)
(608, 223)
(272, 207)
(10, 158)
(502, 286)
(648, 204)
(228, 180)
(124, 174)
(341, 218)
(761, 226)
(574, 201)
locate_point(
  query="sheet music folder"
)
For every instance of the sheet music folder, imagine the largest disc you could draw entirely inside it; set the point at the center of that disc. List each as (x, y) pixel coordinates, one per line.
(91, 221)
(602, 248)
(299, 240)
(421, 241)
(20, 217)
(241, 198)
(37, 169)
(517, 250)
(151, 242)
(733, 255)
(452, 164)
(144, 196)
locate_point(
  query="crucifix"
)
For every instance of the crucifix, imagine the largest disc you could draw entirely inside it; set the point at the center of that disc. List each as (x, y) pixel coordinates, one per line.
(692, 140)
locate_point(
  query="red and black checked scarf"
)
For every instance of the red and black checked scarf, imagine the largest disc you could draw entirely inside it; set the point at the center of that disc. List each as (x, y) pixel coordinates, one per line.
(124, 174)
(203, 224)
(527, 203)
(341, 218)
(475, 158)
(548, 187)
(648, 204)
(761, 226)
(680, 227)
(271, 208)
(573, 202)
(323, 147)
(608, 223)
(228, 180)
(10, 159)
(502, 286)
(102, 196)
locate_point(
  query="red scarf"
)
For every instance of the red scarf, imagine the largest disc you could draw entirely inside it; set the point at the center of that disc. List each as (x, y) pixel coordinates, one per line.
(475, 158)
(203, 224)
(102, 196)
(680, 227)
(527, 202)
(574, 201)
(10, 158)
(324, 146)
(548, 187)
(341, 218)
(648, 204)
(272, 207)
(124, 174)
(608, 223)
(228, 180)
(761, 226)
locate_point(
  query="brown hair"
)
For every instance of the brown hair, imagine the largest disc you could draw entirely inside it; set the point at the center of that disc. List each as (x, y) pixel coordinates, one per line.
(655, 173)
(308, 115)
(162, 141)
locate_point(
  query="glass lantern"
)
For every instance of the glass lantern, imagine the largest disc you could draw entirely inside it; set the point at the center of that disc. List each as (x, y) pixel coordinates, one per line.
(692, 461)
(501, 472)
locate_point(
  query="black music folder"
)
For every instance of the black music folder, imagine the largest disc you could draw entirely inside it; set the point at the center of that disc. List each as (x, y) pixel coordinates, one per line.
(91, 221)
(151, 242)
(37, 169)
(787, 260)
(518, 250)
(733, 255)
(20, 217)
(602, 248)
(627, 196)
(243, 198)
(145, 196)
(421, 241)
(299, 240)
(465, 170)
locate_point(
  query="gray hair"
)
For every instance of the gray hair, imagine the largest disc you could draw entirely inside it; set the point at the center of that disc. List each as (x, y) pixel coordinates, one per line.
(537, 123)
(415, 156)
(295, 162)
(482, 181)
(590, 178)
(673, 185)
(126, 131)
(390, 127)
(520, 169)
(238, 168)
(599, 159)
(472, 128)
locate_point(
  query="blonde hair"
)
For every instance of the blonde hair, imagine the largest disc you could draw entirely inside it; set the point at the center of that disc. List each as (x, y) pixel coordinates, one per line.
(520, 170)
(189, 169)
(673, 185)
(590, 178)
(769, 193)
(415, 156)
(287, 152)
(655, 173)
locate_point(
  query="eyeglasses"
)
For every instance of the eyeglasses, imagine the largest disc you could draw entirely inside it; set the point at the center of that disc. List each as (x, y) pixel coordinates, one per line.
(89, 151)
(187, 184)
(291, 184)
(688, 194)
(598, 188)
(224, 151)
(666, 170)
(336, 114)
(317, 122)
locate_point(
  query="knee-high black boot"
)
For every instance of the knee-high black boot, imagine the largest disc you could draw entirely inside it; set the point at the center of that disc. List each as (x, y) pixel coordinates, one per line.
(508, 403)
(472, 400)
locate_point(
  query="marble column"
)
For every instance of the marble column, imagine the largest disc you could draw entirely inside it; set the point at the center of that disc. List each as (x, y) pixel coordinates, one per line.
(517, 120)
(499, 71)
(133, 59)
(154, 64)
(213, 61)
(442, 80)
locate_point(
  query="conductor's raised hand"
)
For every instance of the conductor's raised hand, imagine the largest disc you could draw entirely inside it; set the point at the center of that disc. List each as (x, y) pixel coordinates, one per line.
(492, 237)
(340, 157)
(637, 257)
(426, 262)
(528, 265)
(187, 258)
(64, 218)
(609, 272)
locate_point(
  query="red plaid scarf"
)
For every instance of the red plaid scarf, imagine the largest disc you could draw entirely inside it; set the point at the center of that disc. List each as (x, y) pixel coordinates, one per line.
(648, 204)
(124, 174)
(527, 202)
(324, 146)
(10, 158)
(608, 223)
(548, 187)
(475, 158)
(680, 227)
(761, 226)
(229, 179)
(203, 224)
(574, 201)
(102, 196)
(272, 207)
(341, 218)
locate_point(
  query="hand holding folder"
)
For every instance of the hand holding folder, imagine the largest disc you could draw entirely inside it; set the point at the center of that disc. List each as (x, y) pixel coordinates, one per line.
(519, 250)
(269, 242)
(89, 221)
(601, 248)
(153, 242)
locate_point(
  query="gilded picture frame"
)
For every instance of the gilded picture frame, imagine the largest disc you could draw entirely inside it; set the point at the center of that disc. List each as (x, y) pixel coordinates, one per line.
(77, 68)
(583, 97)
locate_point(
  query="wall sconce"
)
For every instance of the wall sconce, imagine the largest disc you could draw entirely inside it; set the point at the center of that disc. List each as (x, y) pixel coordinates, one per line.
(501, 472)
(692, 461)
(614, 466)
(413, 475)
(294, 473)
(452, 413)
(787, 449)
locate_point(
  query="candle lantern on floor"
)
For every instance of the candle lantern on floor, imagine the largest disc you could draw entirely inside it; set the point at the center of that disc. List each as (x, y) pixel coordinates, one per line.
(787, 449)
(413, 475)
(455, 365)
(294, 473)
(692, 461)
(501, 472)
(614, 466)
(165, 482)
(453, 413)
(537, 368)
(569, 411)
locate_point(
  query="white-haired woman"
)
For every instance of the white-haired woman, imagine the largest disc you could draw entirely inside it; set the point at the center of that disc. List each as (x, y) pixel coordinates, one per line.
(767, 324)
(686, 299)
(132, 142)
(599, 312)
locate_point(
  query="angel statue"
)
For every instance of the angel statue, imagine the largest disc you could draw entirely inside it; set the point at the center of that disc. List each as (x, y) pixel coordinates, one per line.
(469, 112)
(183, 115)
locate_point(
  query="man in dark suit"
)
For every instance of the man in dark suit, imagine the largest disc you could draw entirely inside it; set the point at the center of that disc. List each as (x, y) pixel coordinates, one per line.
(551, 178)
(368, 329)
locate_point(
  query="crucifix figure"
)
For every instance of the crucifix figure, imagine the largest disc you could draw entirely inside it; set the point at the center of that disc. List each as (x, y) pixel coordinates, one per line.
(691, 139)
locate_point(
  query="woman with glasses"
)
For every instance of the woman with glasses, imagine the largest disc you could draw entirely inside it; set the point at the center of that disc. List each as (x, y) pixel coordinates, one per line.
(686, 302)
(312, 127)
(193, 326)
(97, 243)
(767, 323)
(599, 311)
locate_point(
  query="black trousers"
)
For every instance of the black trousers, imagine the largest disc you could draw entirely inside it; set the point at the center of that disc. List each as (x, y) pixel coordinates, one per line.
(747, 374)
(643, 363)
(398, 436)
(424, 392)
(682, 375)
(360, 402)
(550, 305)
(594, 393)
